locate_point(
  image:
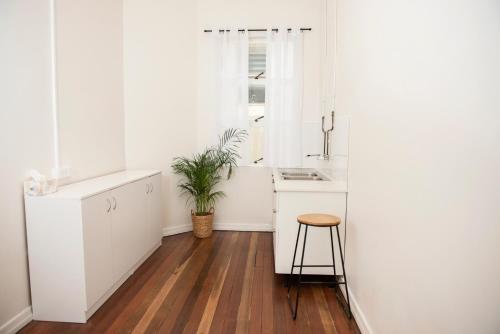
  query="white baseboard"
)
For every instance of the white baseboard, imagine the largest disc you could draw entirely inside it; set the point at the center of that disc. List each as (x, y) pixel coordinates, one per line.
(17, 322)
(243, 227)
(171, 230)
(359, 316)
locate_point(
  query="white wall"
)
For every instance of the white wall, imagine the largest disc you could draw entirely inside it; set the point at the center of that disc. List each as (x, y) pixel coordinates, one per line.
(166, 116)
(420, 80)
(162, 56)
(89, 50)
(249, 195)
(160, 91)
(90, 86)
(25, 136)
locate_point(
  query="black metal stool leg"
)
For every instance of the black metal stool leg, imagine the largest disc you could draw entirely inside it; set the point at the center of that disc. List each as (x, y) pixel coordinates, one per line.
(343, 272)
(333, 257)
(293, 261)
(300, 275)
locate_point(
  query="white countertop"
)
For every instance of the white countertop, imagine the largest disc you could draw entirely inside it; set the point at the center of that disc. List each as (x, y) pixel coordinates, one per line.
(91, 187)
(337, 181)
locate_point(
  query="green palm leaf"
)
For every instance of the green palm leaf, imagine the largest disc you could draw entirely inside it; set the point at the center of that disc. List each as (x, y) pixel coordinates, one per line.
(202, 173)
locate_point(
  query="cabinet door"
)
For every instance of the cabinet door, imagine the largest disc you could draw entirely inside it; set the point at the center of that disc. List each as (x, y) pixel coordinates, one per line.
(318, 249)
(155, 210)
(96, 215)
(128, 219)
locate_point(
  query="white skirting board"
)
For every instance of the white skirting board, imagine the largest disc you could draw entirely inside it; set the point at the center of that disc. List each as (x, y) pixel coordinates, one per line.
(243, 227)
(171, 230)
(358, 315)
(17, 322)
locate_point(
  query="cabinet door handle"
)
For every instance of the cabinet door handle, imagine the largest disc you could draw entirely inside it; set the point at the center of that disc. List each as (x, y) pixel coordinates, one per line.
(147, 188)
(109, 205)
(114, 203)
(152, 187)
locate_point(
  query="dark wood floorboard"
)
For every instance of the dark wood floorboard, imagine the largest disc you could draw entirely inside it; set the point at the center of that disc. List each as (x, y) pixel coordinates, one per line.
(223, 284)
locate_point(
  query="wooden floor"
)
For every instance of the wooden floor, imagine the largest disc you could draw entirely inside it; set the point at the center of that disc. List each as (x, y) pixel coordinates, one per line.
(224, 284)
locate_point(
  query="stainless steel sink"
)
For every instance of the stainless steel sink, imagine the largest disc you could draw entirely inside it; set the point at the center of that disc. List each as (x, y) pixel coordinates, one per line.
(302, 175)
(302, 178)
(299, 174)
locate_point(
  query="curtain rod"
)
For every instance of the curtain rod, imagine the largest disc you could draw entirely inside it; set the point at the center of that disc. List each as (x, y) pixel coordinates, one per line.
(241, 30)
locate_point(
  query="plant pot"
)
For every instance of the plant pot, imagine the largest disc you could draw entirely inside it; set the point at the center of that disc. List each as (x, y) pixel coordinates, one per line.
(202, 225)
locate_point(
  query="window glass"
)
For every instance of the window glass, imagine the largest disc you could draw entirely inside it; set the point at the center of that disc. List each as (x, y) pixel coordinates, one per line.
(256, 93)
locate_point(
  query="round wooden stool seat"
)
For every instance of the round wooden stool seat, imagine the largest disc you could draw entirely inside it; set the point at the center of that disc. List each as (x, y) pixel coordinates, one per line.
(318, 219)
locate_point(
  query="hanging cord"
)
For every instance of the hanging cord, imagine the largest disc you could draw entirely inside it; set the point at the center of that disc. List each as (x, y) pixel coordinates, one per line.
(54, 92)
(327, 44)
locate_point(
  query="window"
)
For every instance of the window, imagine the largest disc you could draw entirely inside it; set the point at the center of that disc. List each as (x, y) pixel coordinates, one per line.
(256, 94)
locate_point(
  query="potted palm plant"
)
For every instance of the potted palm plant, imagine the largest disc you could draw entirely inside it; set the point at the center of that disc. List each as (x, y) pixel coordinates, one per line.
(203, 172)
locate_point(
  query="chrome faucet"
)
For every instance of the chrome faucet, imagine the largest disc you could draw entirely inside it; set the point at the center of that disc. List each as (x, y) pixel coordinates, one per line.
(326, 140)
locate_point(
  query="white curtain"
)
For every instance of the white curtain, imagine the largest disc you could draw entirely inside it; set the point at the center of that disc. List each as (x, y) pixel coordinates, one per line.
(231, 81)
(284, 87)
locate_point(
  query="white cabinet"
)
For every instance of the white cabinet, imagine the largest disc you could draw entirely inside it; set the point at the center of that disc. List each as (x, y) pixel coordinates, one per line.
(129, 226)
(85, 240)
(98, 251)
(155, 209)
(293, 198)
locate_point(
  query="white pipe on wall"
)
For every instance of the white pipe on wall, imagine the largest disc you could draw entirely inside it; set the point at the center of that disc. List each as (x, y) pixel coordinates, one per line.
(55, 114)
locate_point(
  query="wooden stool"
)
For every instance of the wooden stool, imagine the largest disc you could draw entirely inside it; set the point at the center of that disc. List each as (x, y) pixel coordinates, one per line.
(317, 220)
